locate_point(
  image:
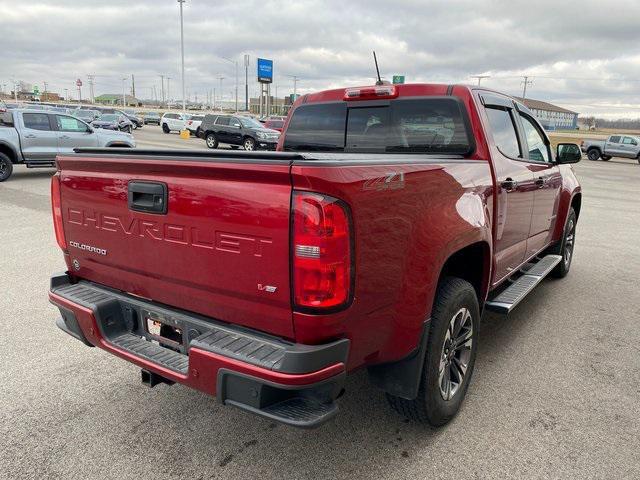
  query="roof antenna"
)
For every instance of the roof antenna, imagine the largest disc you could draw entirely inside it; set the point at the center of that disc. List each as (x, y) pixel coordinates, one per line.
(375, 59)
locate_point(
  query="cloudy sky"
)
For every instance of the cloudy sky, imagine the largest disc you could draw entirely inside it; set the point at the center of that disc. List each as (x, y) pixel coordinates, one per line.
(582, 54)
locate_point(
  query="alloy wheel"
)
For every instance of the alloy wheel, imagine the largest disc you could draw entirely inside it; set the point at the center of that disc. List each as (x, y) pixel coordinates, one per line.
(569, 242)
(456, 354)
(249, 144)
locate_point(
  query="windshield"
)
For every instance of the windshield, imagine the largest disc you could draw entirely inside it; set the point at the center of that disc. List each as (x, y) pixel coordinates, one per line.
(152, 114)
(433, 125)
(248, 122)
(109, 117)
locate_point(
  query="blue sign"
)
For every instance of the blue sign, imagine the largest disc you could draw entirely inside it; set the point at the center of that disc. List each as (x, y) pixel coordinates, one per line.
(265, 70)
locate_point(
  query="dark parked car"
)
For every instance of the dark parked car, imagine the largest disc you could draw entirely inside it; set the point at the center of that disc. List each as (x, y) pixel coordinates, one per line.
(237, 130)
(275, 123)
(114, 121)
(151, 118)
(86, 115)
(135, 119)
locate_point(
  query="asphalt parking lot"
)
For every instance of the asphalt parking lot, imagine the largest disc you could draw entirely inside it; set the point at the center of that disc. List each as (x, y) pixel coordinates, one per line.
(555, 394)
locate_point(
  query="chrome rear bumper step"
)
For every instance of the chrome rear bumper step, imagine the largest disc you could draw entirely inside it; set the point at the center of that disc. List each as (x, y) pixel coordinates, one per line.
(510, 297)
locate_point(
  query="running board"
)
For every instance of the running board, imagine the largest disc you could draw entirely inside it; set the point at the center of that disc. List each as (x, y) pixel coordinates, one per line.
(509, 298)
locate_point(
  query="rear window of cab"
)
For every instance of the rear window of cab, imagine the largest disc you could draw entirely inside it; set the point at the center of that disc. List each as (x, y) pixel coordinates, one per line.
(404, 125)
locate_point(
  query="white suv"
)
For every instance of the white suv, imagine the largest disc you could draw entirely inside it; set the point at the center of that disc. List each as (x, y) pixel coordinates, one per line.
(174, 122)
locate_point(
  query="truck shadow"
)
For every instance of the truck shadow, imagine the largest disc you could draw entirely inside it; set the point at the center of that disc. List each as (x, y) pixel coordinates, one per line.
(366, 435)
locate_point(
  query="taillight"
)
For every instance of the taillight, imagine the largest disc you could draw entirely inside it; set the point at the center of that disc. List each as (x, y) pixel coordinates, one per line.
(371, 93)
(322, 252)
(57, 211)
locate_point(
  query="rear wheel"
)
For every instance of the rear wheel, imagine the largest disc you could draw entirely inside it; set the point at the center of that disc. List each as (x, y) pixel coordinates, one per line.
(565, 246)
(165, 128)
(249, 144)
(593, 154)
(211, 140)
(6, 167)
(450, 356)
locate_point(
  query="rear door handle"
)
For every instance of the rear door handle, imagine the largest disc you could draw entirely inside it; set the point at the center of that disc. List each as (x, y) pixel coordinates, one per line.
(66, 137)
(509, 184)
(148, 197)
(30, 135)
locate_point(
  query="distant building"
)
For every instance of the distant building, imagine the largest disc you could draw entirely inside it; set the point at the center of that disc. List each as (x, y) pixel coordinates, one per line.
(116, 99)
(551, 116)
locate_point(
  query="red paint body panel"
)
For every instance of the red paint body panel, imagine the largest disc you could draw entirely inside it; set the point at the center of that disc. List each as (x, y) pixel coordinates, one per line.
(226, 232)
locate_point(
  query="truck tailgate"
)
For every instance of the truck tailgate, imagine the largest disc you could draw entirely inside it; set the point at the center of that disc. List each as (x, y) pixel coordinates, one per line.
(221, 249)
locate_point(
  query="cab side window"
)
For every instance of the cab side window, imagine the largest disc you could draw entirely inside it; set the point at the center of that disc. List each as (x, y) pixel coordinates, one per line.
(70, 124)
(536, 144)
(504, 131)
(234, 122)
(36, 121)
(629, 141)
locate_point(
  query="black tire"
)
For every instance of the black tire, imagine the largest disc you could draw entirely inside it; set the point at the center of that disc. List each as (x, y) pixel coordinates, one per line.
(565, 247)
(249, 144)
(6, 167)
(593, 154)
(165, 128)
(606, 158)
(198, 132)
(454, 296)
(211, 140)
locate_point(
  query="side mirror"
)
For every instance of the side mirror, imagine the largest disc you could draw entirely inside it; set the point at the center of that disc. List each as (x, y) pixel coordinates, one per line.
(90, 129)
(568, 153)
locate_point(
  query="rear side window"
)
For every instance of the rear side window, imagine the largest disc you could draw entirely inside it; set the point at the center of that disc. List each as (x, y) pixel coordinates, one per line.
(36, 121)
(431, 125)
(504, 132)
(222, 121)
(317, 127)
(614, 139)
(6, 119)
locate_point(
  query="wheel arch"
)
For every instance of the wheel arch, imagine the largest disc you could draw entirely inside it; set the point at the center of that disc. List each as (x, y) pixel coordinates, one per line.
(10, 152)
(402, 378)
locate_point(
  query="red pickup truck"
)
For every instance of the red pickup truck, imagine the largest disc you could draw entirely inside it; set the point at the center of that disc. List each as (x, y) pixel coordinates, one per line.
(390, 219)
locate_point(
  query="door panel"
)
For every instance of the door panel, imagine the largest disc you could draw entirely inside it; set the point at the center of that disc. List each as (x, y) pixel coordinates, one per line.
(515, 191)
(39, 141)
(545, 207)
(547, 179)
(73, 133)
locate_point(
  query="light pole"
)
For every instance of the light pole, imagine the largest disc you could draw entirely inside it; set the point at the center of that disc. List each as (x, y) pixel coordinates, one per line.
(235, 62)
(124, 79)
(184, 105)
(221, 78)
(246, 82)
(66, 94)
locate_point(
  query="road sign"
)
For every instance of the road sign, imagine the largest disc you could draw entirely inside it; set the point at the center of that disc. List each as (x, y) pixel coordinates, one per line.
(398, 79)
(36, 90)
(78, 83)
(293, 97)
(265, 70)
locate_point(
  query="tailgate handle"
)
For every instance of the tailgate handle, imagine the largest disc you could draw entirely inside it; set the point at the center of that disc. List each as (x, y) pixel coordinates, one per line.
(148, 197)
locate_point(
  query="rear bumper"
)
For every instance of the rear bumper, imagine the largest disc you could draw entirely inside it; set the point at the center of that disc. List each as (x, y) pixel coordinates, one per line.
(291, 383)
